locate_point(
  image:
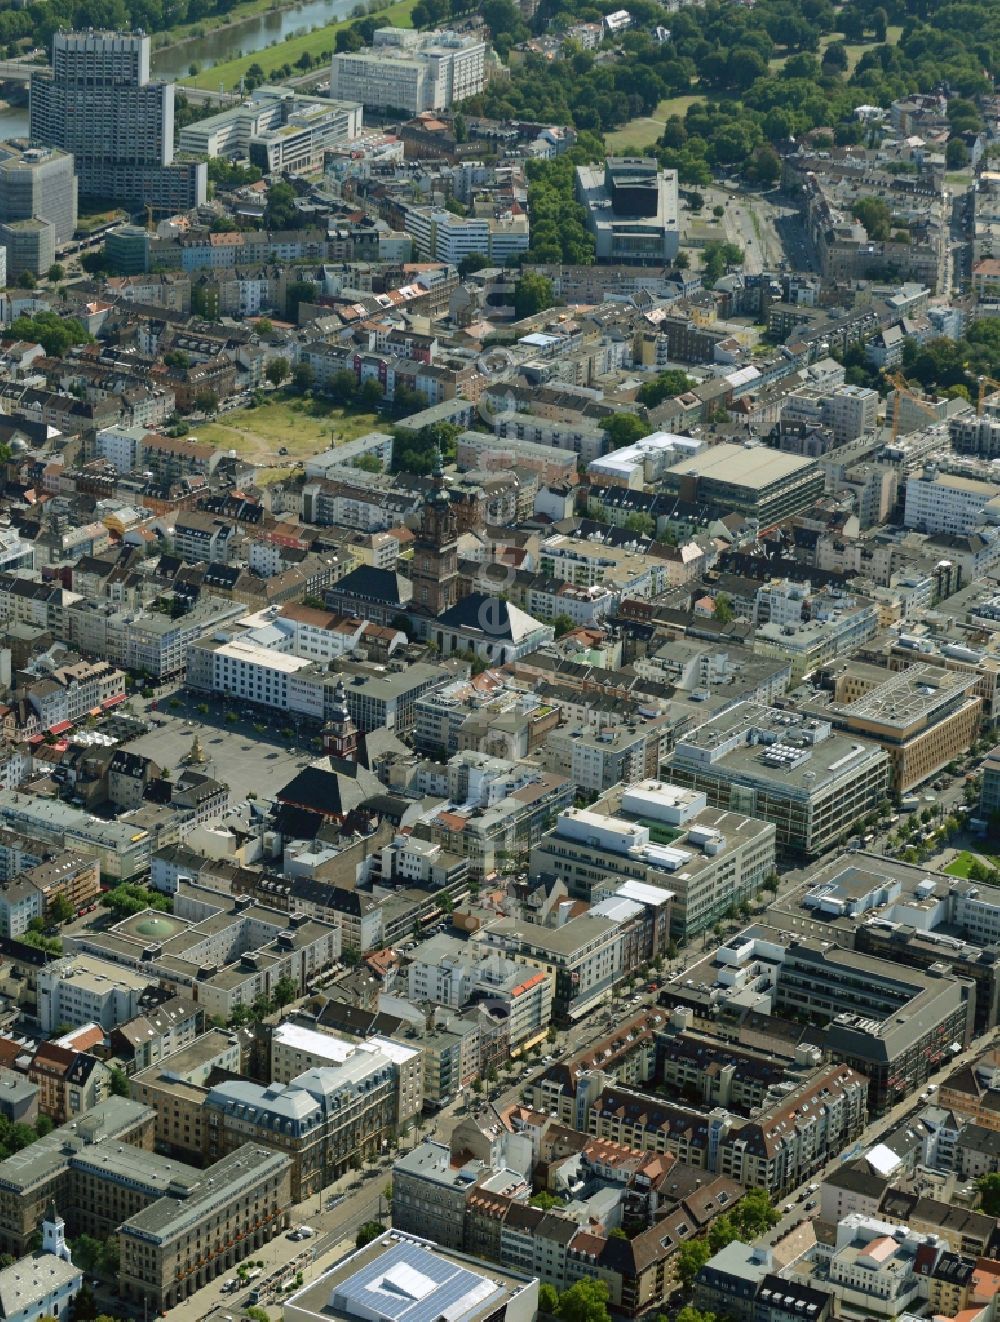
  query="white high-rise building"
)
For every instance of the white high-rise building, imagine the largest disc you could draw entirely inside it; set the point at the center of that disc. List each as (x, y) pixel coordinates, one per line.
(411, 71)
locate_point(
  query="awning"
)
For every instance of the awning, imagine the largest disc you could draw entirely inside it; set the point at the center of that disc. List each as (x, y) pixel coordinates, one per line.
(60, 727)
(113, 702)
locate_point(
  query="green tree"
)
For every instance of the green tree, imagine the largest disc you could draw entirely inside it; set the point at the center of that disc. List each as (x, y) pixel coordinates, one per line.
(84, 1306)
(546, 1201)
(665, 385)
(119, 1082)
(206, 401)
(642, 524)
(563, 624)
(303, 378)
(584, 1301)
(691, 1257)
(285, 991)
(56, 271)
(956, 154)
(723, 608)
(472, 262)
(989, 1194)
(532, 294)
(27, 280)
(623, 429)
(874, 215)
(548, 1299)
(367, 1231)
(60, 910)
(299, 291)
(277, 371)
(54, 333)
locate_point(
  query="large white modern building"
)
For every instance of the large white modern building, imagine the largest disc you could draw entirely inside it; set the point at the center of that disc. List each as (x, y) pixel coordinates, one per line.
(411, 71)
(950, 503)
(277, 129)
(445, 237)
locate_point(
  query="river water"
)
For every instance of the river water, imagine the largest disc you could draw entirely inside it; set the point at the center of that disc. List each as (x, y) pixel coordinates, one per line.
(247, 35)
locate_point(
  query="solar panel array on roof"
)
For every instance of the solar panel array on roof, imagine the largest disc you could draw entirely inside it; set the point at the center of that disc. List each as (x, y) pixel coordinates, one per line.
(408, 1283)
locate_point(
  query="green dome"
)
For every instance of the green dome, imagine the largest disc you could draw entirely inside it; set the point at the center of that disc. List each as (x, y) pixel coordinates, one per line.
(156, 927)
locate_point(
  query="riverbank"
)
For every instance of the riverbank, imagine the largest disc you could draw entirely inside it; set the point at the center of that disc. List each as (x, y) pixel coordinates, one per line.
(202, 27)
(319, 43)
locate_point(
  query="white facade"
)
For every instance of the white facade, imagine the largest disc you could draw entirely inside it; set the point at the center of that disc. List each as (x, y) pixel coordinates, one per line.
(943, 502)
(121, 447)
(277, 129)
(411, 71)
(445, 237)
(82, 990)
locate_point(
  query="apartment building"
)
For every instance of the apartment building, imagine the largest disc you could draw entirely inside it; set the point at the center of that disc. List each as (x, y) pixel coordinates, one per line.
(664, 836)
(122, 851)
(79, 989)
(837, 625)
(849, 411)
(297, 1048)
(938, 502)
(176, 1087)
(76, 876)
(583, 959)
(157, 645)
(442, 236)
(893, 1024)
(445, 971)
(595, 758)
(813, 783)
(222, 952)
(411, 71)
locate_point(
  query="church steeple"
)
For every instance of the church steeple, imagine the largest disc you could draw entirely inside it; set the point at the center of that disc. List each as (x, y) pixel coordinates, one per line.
(54, 1234)
(340, 734)
(434, 568)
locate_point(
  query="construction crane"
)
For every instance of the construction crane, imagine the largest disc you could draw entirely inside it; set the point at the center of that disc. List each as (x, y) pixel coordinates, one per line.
(903, 388)
(984, 381)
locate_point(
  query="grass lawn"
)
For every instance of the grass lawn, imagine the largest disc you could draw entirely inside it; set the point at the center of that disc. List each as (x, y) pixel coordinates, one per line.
(855, 50)
(93, 220)
(961, 863)
(645, 130)
(302, 427)
(230, 72)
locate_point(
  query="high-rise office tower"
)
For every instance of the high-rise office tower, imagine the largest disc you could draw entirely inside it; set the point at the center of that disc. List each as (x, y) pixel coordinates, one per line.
(38, 182)
(99, 103)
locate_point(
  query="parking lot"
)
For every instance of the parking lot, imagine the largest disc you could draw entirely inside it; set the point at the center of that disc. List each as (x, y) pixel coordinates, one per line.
(235, 750)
